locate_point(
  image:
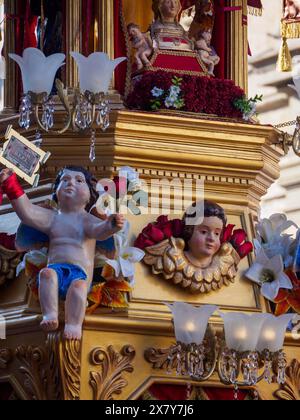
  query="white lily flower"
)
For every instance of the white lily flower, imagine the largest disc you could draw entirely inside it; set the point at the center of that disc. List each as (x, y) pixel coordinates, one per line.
(96, 71)
(37, 258)
(38, 71)
(273, 241)
(127, 256)
(272, 228)
(269, 274)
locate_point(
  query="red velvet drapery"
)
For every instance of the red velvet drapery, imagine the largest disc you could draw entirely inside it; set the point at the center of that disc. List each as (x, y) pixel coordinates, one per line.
(180, 393)
(120, 47)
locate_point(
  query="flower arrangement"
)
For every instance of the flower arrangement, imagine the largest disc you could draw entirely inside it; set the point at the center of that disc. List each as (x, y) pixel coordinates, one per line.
(248, 106)
(189, 93)
(274, 267)
(172, 98)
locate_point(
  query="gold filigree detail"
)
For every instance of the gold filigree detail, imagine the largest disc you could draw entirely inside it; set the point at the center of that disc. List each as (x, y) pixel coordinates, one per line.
(113, 364)
(290, 391)
(6, 356)
(34, 368)
(70, 351)
(9, 260)
(168, 258)
(161, 360)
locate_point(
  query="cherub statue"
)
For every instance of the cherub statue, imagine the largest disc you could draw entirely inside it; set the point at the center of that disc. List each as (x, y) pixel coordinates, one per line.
(72, 233)
(292, 9)
(141, 44)
(207, 53)
(197, 261)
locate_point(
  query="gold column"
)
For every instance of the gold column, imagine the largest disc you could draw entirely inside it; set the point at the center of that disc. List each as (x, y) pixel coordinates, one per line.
(238, 41)
(73, 39)
(10, 85)
(105, 19)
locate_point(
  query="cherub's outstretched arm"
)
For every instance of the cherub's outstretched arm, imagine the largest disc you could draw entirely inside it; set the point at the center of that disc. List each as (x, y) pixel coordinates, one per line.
(103, 230)
(30, 214)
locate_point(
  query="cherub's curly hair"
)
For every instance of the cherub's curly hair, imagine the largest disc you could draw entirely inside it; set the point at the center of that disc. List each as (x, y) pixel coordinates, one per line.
(90, 180)
(211, 209)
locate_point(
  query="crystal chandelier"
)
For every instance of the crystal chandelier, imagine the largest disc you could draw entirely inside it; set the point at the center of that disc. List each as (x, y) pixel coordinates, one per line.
(250, 351)
(89, 107)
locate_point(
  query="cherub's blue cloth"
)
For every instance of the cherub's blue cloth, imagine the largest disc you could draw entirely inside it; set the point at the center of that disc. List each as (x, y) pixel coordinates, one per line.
(29, 238)
(67, 274)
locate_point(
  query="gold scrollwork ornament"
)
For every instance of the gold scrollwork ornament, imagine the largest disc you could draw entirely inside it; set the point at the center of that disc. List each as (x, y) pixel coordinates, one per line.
(113, 364)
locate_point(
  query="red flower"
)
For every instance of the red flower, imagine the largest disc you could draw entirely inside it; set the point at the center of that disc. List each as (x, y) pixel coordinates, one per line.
(142, 242)
(245, 249)
(227, 233)
(177, 227)
(153, 233)
(238, 240)
(288, 299)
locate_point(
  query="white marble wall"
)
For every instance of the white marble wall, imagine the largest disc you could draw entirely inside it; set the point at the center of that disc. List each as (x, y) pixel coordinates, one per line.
(280, 103)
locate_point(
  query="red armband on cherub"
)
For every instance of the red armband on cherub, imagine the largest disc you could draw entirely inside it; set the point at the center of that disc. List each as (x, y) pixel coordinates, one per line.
(12, 188)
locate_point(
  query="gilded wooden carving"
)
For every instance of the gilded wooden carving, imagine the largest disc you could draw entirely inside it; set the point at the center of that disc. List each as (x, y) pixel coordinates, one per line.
(168, 258)
(290, 391)
(109, 380)
(9, 260)
(70, 368)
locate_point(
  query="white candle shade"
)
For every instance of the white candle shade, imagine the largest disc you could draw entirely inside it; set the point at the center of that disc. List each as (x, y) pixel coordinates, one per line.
(273, 332)
(242, 330)
(191, 322)
(38, 71)
(95, 71)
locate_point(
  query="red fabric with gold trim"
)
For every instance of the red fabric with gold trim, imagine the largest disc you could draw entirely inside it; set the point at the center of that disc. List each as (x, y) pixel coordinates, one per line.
(187, 62)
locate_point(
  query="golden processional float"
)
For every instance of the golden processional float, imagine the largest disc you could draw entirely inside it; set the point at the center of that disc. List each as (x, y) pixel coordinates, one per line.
(191, 326)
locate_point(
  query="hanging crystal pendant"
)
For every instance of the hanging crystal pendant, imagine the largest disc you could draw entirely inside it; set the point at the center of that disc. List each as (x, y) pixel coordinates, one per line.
(93, 146)
(25, 112)
(282, 365)
(48, 114)
(38, 140)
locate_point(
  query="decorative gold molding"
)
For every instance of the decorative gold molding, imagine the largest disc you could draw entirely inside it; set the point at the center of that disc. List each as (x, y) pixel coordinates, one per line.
(290, 391)
(113, 364)
(70, 364)
(237, 59)
(9, 260)
(6, 356)
(33, 366)
(73, 39)
(161, 358)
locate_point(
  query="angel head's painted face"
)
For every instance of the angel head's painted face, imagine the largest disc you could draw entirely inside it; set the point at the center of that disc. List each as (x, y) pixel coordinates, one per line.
(204, 238)
(75, 185)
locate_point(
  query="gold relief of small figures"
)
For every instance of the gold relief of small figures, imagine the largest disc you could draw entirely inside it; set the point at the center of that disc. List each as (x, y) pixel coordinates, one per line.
(199, 253)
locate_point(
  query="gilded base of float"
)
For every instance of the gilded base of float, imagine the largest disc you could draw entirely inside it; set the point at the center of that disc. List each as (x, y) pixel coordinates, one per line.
(237, 163)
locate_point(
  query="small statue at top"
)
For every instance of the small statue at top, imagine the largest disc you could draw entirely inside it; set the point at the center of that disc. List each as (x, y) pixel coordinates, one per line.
(207, 53)
(166, 31)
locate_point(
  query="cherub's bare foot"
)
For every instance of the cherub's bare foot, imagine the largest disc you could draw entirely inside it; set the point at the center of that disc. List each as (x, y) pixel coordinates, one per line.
(50, 324)
(73, 332)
